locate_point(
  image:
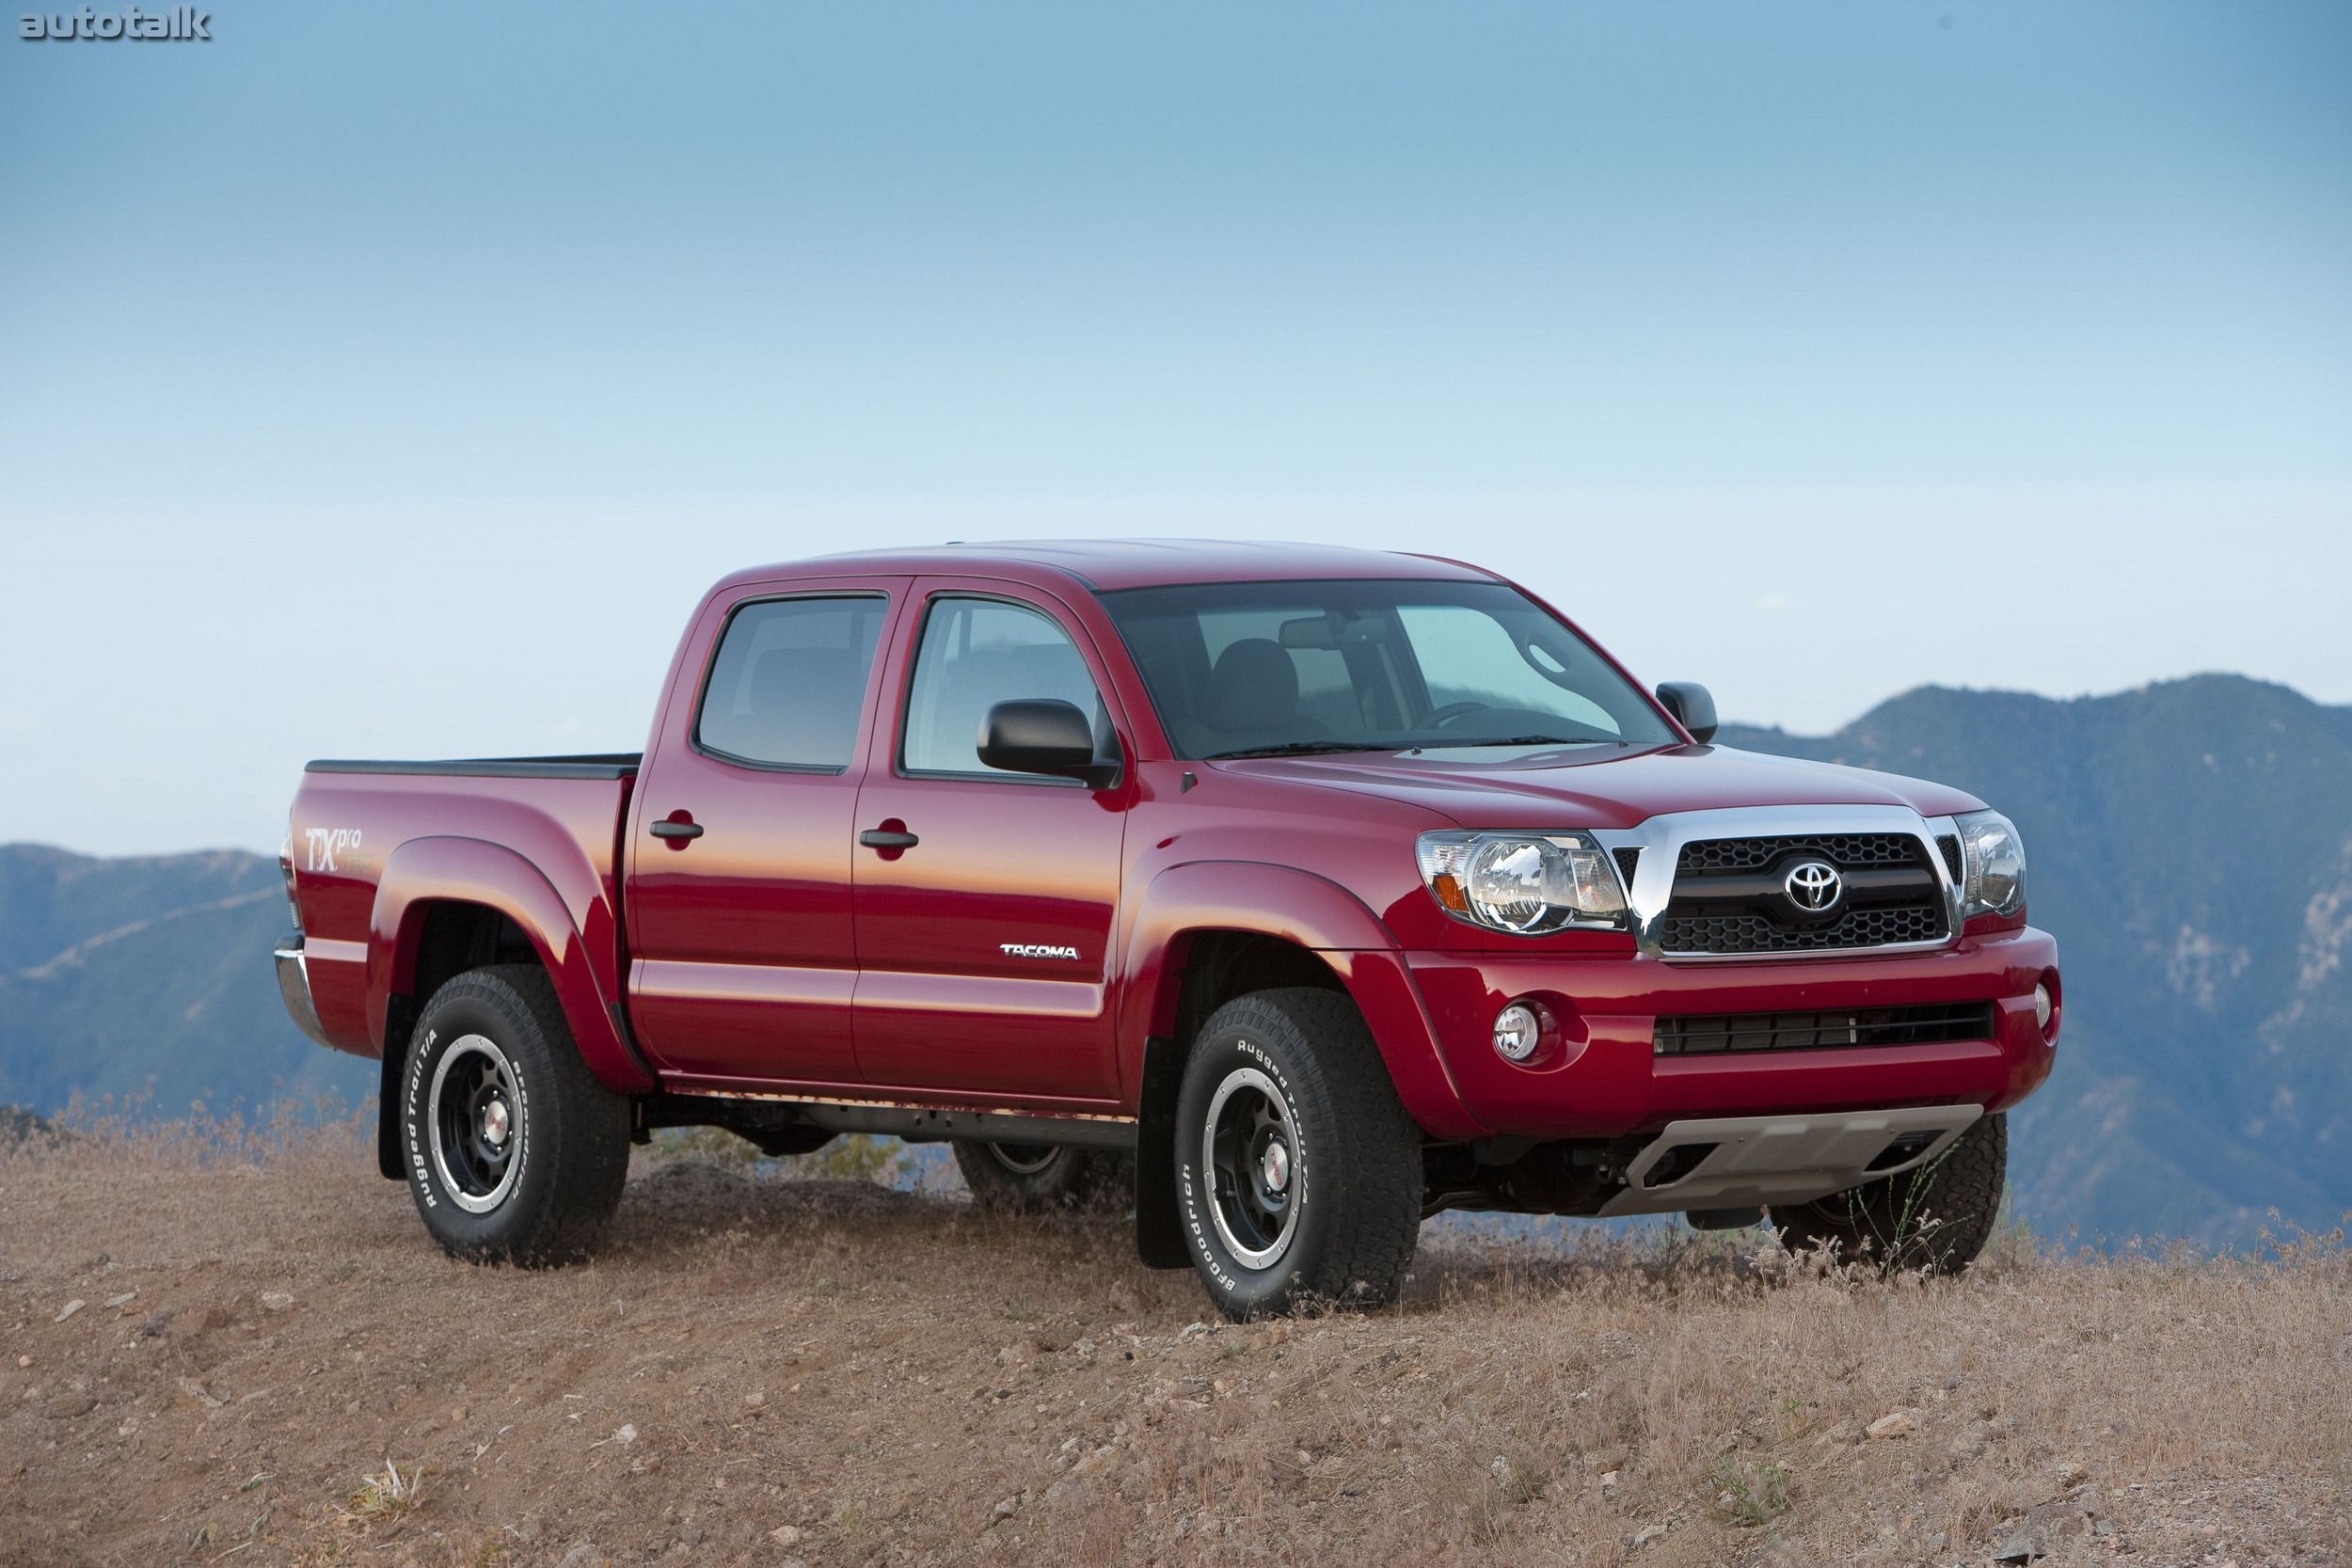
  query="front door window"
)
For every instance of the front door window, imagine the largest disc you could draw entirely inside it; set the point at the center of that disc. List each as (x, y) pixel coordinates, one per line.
(977, 652)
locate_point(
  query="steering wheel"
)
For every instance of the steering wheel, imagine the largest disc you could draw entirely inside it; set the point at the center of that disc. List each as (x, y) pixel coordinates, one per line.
(1441, 717)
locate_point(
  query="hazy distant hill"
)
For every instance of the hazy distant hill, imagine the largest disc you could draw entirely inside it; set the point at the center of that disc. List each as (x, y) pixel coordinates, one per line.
(150, 975)
(2191, 845)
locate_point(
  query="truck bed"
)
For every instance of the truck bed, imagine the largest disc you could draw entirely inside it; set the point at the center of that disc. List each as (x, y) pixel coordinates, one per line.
(378, 847)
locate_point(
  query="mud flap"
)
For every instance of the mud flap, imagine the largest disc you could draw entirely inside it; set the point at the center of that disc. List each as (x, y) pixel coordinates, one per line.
(1159, 1228)
(400, 1016)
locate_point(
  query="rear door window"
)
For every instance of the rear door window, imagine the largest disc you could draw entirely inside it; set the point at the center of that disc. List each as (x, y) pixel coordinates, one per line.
(789, 685)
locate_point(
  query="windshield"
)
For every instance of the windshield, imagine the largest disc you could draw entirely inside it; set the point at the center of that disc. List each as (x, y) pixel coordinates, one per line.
(1265, 668)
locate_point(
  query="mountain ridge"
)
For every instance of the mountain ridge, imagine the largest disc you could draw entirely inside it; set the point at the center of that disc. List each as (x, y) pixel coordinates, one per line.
(145, 980)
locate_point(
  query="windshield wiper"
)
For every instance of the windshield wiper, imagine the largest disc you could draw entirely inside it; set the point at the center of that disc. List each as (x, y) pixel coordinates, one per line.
(1297, 749)
(1325, 748)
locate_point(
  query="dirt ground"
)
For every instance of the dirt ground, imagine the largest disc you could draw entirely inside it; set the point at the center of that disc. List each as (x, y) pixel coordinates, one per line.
(225, 1348)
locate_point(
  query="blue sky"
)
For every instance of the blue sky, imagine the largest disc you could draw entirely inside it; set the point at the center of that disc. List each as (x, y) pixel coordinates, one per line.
(390, 378)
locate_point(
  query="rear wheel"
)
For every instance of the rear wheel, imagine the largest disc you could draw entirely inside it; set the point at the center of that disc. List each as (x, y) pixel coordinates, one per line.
(1038, 1179)
(1299, 1174)
(1937, 1217)
(513, 1152)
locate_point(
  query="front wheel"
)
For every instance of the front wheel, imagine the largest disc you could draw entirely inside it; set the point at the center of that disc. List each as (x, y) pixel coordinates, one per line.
(515, 1152)
(1299, 1174)
(1937, 1217)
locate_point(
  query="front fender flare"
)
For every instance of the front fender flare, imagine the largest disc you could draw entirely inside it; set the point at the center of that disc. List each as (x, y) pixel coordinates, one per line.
(1310, 912)
(424, 871)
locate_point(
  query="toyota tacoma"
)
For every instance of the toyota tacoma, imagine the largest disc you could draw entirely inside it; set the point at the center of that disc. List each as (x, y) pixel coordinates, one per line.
(1307, 892)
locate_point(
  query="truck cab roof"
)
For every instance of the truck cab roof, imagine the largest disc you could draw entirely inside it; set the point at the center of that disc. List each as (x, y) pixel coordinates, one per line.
(1108, 566)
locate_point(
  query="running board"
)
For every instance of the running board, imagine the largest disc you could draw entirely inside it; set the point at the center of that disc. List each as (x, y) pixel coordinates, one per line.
(926, 1127)
(753, 1114)
(1740, 1162)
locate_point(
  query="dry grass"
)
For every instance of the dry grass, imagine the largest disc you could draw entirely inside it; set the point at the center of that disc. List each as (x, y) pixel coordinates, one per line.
(388, 1495)
(761, 1370)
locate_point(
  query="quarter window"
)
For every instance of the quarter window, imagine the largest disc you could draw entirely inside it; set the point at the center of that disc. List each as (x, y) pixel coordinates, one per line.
(790, 682)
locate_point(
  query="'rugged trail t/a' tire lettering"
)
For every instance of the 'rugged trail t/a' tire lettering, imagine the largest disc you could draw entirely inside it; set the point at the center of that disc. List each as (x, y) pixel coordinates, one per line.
(515, 1153)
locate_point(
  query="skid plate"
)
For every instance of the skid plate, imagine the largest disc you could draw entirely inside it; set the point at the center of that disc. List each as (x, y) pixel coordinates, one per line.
(1786, 1159)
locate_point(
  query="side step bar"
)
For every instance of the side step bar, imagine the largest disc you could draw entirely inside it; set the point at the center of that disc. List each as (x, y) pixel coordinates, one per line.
(754, 1115)
(924, 1126)
(1741, 1162)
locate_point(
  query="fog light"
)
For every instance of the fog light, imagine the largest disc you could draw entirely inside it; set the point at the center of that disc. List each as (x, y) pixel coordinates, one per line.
(1518, 1030)
(2043, 1007)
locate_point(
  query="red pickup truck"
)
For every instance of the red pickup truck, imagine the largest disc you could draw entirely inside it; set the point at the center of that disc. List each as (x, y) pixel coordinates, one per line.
(1326, 888)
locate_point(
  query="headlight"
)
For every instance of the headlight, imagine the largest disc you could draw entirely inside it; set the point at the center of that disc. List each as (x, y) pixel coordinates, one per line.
(1993, 865)
(1528, 884)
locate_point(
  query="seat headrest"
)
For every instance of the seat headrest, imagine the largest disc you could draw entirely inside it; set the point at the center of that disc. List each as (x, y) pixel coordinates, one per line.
(1254, 685)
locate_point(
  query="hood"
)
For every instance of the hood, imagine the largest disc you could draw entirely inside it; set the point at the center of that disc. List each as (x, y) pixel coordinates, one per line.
(1602, 786)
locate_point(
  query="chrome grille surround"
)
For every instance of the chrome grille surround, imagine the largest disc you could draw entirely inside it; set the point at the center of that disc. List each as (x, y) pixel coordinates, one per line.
(1661, 839)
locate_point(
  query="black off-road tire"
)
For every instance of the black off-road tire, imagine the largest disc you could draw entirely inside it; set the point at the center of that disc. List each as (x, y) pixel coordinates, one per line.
(1936, 1219)
(542, 1193)
(1349, 1211)
(1038, 1179)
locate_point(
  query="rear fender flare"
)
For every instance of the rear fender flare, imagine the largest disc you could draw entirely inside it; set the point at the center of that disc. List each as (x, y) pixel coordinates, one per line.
(1310, 911)
(424, 871)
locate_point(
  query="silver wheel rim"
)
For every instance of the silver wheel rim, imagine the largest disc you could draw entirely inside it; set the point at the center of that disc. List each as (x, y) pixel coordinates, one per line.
(1249, 1158)
(473, 1117)
(1025, 1159)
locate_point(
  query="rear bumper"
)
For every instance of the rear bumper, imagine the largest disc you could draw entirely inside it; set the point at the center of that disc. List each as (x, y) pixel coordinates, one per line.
(1604, 1078)
(293, 988)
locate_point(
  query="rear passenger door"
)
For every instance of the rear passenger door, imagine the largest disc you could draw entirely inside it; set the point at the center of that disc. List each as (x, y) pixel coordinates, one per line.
(738, 851)
(984, 919)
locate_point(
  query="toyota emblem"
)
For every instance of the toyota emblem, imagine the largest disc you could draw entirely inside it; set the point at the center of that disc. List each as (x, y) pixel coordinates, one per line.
(1813, 886)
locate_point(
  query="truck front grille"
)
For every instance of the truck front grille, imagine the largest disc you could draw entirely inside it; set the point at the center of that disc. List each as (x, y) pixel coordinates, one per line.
(1756, 933)
(1718, 1033)
(1840, 849)
(1730, 898)
(1949, 844)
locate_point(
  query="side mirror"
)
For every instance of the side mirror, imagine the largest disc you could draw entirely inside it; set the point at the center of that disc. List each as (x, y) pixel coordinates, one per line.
(1692, 706)
(1044, 734)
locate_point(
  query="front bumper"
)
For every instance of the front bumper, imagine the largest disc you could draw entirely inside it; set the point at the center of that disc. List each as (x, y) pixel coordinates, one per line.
(1605, 1080)
(293, 988)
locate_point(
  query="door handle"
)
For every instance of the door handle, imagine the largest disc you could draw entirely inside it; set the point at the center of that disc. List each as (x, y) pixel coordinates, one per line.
(677, 830)
(885, 838)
